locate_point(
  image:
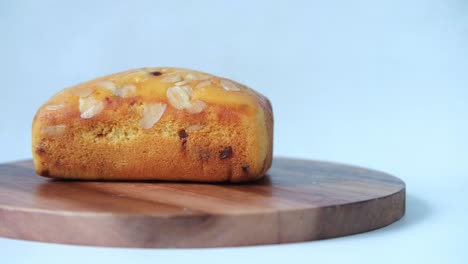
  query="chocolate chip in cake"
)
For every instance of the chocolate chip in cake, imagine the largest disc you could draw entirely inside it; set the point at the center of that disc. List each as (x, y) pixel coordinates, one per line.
(40, 151)
(226, 153)
(109, 101)
(245, 168)
(156, 73)
(182, 134)
(184, 144)
(45, 172)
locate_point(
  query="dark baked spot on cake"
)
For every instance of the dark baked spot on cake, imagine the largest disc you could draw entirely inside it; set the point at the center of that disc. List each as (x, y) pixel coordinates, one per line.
(226, 153)
(40, 151)
(182, 134)
(245, 169)
(156, 73)
(45, 172)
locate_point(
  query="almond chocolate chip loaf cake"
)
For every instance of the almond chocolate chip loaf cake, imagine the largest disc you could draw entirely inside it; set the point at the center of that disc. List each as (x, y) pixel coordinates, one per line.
(155, 124)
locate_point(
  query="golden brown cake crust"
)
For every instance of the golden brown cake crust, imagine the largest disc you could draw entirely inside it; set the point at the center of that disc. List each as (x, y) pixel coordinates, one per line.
(155, 124)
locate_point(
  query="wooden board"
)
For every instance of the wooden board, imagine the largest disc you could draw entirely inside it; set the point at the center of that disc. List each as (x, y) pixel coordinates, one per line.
(297, 201)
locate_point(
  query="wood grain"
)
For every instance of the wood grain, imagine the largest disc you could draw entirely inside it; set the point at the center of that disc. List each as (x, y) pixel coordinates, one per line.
(297, 201)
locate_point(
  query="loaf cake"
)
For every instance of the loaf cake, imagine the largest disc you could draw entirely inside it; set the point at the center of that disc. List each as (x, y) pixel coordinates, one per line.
(167, 124)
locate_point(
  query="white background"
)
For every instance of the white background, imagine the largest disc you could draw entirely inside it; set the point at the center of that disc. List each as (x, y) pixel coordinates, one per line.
(380, 84)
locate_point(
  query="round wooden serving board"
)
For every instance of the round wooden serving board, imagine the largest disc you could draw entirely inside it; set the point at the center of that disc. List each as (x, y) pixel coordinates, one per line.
(298, 200)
